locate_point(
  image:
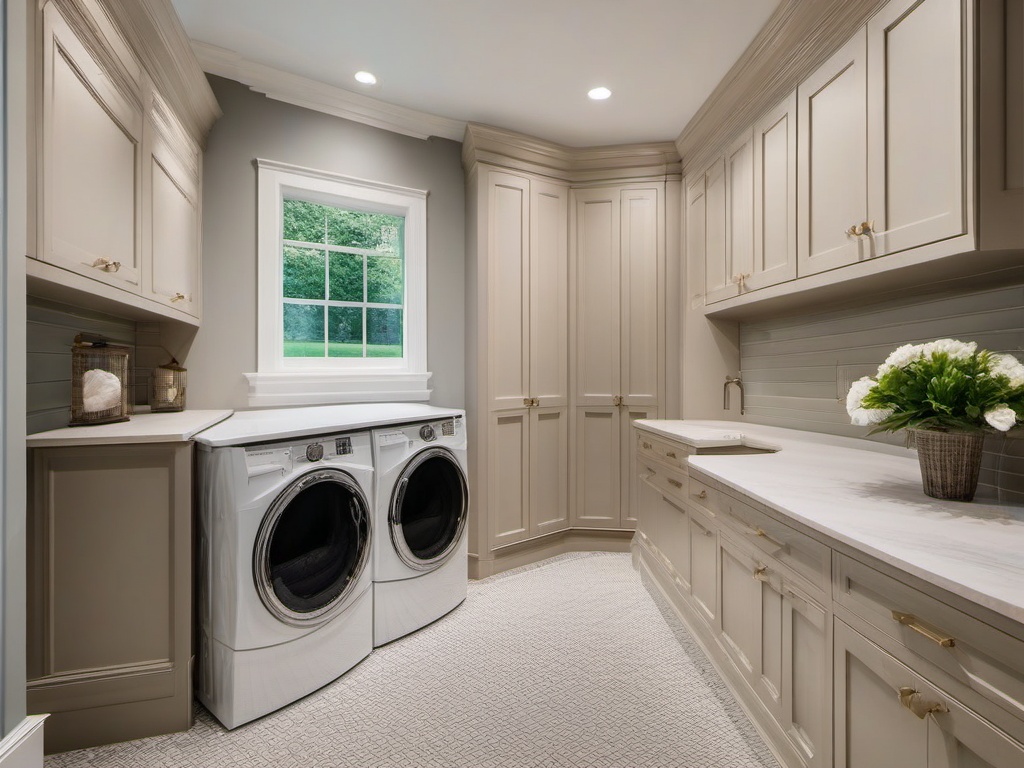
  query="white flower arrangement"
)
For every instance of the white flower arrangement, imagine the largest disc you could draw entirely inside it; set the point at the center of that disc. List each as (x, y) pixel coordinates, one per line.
(945, 385)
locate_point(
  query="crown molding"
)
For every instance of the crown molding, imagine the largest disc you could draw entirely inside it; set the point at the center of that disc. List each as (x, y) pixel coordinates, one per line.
(517, 151)
(311, 94)
(797, 39)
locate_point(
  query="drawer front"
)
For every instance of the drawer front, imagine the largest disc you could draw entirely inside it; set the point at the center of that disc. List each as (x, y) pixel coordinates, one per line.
(804, 555)
(665, 451)
(978, 655)
(670, 481)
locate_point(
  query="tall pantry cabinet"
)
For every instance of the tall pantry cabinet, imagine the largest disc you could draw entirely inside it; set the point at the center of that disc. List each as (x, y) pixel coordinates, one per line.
(566, 298)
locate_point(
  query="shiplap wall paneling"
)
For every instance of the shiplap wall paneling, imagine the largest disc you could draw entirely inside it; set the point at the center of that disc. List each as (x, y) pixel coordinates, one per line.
(51, 330)
(797, 370)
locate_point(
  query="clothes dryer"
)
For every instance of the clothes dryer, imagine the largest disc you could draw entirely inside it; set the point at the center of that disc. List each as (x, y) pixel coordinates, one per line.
(422, 505)
(284, 560)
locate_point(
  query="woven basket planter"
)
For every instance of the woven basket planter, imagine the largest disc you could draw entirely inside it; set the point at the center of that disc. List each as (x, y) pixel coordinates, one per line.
(950, 463)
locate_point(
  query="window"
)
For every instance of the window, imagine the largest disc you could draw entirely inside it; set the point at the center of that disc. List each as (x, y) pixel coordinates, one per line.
(342, 290)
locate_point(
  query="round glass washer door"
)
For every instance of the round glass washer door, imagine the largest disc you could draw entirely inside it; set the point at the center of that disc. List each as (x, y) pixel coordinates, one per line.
(428, 509)
(312, 546)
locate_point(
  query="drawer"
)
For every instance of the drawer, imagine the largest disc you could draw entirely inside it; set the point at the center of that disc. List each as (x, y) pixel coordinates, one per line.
(806, 556)
(665, 451)
(981, 657)
(669, 480)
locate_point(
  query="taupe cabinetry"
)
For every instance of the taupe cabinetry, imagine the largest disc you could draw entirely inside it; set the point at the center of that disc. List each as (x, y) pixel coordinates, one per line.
(119, 169)
(525, 220)
(91, 157)
(109, 592)
(618, 246)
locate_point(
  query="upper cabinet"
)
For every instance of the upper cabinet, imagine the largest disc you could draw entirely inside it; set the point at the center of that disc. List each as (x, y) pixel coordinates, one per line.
(123, 116)
(889, 166)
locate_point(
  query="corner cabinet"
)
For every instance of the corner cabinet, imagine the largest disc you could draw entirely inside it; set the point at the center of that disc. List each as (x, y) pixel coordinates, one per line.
(618, 246)
(119, 166)
(110, 592)
(566, 337)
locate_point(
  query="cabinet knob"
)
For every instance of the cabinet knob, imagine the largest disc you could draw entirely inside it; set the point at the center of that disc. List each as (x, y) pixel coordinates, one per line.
(670, 454)
(617, 400)
(761, 573)
(646, 446)
(741, 280)
(864, 228)
(702, 495)
(178, 297)
(912, 700)
(107, 265)
(527, 401)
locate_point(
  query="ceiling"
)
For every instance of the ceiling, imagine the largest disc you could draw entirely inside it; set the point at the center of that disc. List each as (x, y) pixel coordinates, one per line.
(524, 65)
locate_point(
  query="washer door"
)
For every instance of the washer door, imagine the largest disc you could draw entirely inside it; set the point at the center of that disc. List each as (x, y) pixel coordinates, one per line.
(311, 548)
(428, 509)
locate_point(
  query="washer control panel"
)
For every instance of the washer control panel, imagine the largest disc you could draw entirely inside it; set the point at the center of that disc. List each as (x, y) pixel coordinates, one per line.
(427, 433)
(283, 458)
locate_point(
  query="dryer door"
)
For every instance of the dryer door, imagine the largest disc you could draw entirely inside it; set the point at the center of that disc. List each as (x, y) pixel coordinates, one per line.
(311, 548)
(428, 509)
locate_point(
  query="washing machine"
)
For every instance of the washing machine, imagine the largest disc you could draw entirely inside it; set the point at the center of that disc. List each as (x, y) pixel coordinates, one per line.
(422, 503)
(284, 556)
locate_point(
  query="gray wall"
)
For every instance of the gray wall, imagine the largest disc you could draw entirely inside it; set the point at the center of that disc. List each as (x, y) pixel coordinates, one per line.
(254, 126)
(797, 370)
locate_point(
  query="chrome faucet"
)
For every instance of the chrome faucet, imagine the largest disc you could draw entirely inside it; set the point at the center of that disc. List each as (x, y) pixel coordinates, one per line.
(725, 391)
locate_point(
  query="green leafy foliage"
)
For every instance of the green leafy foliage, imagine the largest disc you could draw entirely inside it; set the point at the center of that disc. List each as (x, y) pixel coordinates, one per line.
(944, 392)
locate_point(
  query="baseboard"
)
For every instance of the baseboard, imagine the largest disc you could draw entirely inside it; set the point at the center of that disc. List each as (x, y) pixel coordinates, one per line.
(550, 545)
(23, 746)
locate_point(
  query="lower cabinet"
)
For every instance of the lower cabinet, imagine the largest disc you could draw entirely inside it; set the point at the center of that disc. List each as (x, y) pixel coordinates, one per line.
(837, 663)
(887, 714)
(109, 643)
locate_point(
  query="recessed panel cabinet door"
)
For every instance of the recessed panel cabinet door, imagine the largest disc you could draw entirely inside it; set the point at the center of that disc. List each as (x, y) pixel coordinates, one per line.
(509, 476)
(718, 282)
(597, 232)
(915, 110)
(598, 467)
(171, 226)
(775, 196)
(704, 566)
(641, 309)
(627, 451)
(886, 714)
(549, 294)
(832, 162)
(549, 470)
(509, 236)
(91, 151)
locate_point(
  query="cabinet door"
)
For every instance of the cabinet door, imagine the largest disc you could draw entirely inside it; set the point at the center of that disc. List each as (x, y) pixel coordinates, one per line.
(718, 282)
(171, 234)
(597, 245)
(873, 728)
(509, 466)
(598, 464)
(915, 110)
(666, 525)
(92, 131)
(549, 470)
(740, 607)
(627, 460)
(509, 264)
(775, 196)
(739, 212)
(832, 139)
(642, 308)
(549, 294)
(704, 565)
(695, 237)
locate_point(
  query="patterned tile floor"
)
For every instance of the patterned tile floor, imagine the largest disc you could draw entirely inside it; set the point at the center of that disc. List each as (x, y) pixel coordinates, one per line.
(568, 662)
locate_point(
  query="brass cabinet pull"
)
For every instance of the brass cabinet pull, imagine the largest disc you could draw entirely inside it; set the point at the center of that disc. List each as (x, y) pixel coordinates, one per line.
(864, 228)
(536, 402)
(702, 495)
(761, 573)
(762, 535)
(178, 297)
(911, 699)
(676, 483)
(910, 621)
(670, 454)
(107, 265)
(527, 401)
(617, 400)
(646, 446)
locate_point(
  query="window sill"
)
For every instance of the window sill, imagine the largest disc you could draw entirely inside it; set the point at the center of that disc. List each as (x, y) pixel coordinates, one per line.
(331, 387)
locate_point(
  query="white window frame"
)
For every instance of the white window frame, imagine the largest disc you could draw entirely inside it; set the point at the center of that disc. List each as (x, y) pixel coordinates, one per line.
(281, 380)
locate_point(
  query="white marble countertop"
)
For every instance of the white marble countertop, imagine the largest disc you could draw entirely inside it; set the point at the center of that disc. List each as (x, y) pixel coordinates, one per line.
(868, 496)
(167, 427)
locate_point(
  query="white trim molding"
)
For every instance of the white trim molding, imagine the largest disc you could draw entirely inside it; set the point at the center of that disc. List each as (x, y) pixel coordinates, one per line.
(312, 94)
(23, 746)
(301, 381)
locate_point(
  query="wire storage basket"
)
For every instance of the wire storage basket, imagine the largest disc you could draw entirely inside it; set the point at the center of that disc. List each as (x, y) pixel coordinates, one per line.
(99, 382)
(167, 387)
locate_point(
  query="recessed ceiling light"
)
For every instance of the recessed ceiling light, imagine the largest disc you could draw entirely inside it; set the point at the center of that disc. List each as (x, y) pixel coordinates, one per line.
(599, 94)
(366, 78)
